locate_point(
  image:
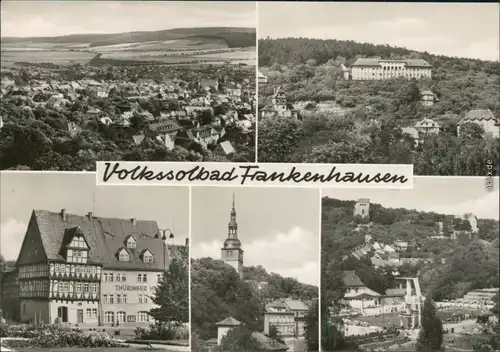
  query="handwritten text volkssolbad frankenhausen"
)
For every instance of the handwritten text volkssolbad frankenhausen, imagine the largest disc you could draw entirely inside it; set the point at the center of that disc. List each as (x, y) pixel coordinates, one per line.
(248, 174)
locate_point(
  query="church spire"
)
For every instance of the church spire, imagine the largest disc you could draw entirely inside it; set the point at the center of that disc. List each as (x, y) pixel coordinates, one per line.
(233, 225)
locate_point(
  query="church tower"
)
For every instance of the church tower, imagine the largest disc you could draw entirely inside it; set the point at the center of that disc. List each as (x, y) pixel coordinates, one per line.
(232, 253)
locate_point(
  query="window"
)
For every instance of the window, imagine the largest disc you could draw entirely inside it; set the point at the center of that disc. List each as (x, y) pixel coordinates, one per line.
(145, 299)
(105, 277)
(109, 317)
(147, 258)
(124, 297)
(94, 288)
(139, 277)
(131, 243)
(110, 277)
(86, 287)
(120, 317)
(89, 313)
(123, 256)
(142, 317)
(144, 278)
(66, 287)
(118, 277)
(56, 268)
(105, 299)
(140, 298)
(111, 299)
(118, 299)
(124, 278)
(94, 312)
(78, 287)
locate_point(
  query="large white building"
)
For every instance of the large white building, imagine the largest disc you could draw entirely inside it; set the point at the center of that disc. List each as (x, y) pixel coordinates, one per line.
(380, 69)
(90, 270)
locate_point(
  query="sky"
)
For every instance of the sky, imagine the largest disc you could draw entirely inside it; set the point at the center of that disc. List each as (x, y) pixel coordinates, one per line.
(55, 18)
(21, 192)
(443, 195)
(452, 29)
(278, 228)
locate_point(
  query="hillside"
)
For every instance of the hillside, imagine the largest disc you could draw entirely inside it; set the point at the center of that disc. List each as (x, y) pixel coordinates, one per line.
(448, 267)
(217, 293)
(365, 120)
(233, 36)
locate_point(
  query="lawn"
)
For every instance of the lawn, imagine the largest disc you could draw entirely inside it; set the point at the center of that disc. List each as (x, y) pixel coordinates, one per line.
(103, 349)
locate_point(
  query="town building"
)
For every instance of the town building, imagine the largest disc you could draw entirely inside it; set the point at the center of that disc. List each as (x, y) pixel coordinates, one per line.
(424, 128)
(380, 69)
(358, 296)
(287, 316)
(232, 253)
(261, 78)
(427, 98)
(280, 107)
(90, 270)
(362, 208)
(224, 326)
(472, 219)
(483, 118)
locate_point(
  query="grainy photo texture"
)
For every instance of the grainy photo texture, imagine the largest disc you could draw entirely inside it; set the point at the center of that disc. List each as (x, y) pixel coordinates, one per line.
(255, 269)
(133, 80)
(411, 270)
(86, 266)
(380, 83)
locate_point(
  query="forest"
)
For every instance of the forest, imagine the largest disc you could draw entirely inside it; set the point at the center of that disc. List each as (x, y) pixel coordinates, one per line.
(469, 263)
(365, 124)
(217, 292)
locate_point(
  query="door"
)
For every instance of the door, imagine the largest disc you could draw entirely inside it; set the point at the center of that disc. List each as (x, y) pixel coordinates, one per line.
(62, 313)
(79, 316)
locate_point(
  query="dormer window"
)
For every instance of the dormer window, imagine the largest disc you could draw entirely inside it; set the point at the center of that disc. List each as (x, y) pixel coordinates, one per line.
(131, 242)
(123, 255)
(147, 256)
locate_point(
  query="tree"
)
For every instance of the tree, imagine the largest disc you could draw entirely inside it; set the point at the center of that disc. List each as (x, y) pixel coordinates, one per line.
(172, 295)
(430, 337)
(311, 328)
(239, 339)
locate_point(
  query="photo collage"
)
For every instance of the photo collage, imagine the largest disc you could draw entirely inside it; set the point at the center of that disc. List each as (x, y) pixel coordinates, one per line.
(289, 176)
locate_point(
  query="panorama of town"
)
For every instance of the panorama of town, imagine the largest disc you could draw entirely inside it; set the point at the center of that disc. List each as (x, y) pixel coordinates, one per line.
(66, 106)
(387, 290)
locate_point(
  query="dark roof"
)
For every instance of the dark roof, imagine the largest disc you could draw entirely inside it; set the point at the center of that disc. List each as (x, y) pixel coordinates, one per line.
(230, 321)
(267, 343)
(351, 279)
(105, 236)
(479, 114)
(164, 125)
(376, 62)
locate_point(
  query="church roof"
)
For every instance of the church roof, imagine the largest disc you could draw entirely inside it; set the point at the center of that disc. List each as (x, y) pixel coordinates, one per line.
(229, 321)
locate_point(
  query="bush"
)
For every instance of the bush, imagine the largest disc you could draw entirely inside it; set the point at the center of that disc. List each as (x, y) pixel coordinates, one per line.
(49, 336)
(164, 332)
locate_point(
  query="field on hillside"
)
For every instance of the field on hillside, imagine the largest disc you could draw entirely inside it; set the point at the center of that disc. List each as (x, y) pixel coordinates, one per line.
(56, 57)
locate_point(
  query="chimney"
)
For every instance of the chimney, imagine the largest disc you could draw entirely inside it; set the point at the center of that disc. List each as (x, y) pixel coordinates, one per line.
(89, 215)
(187, 242)
(134, 221)
(63, 214)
